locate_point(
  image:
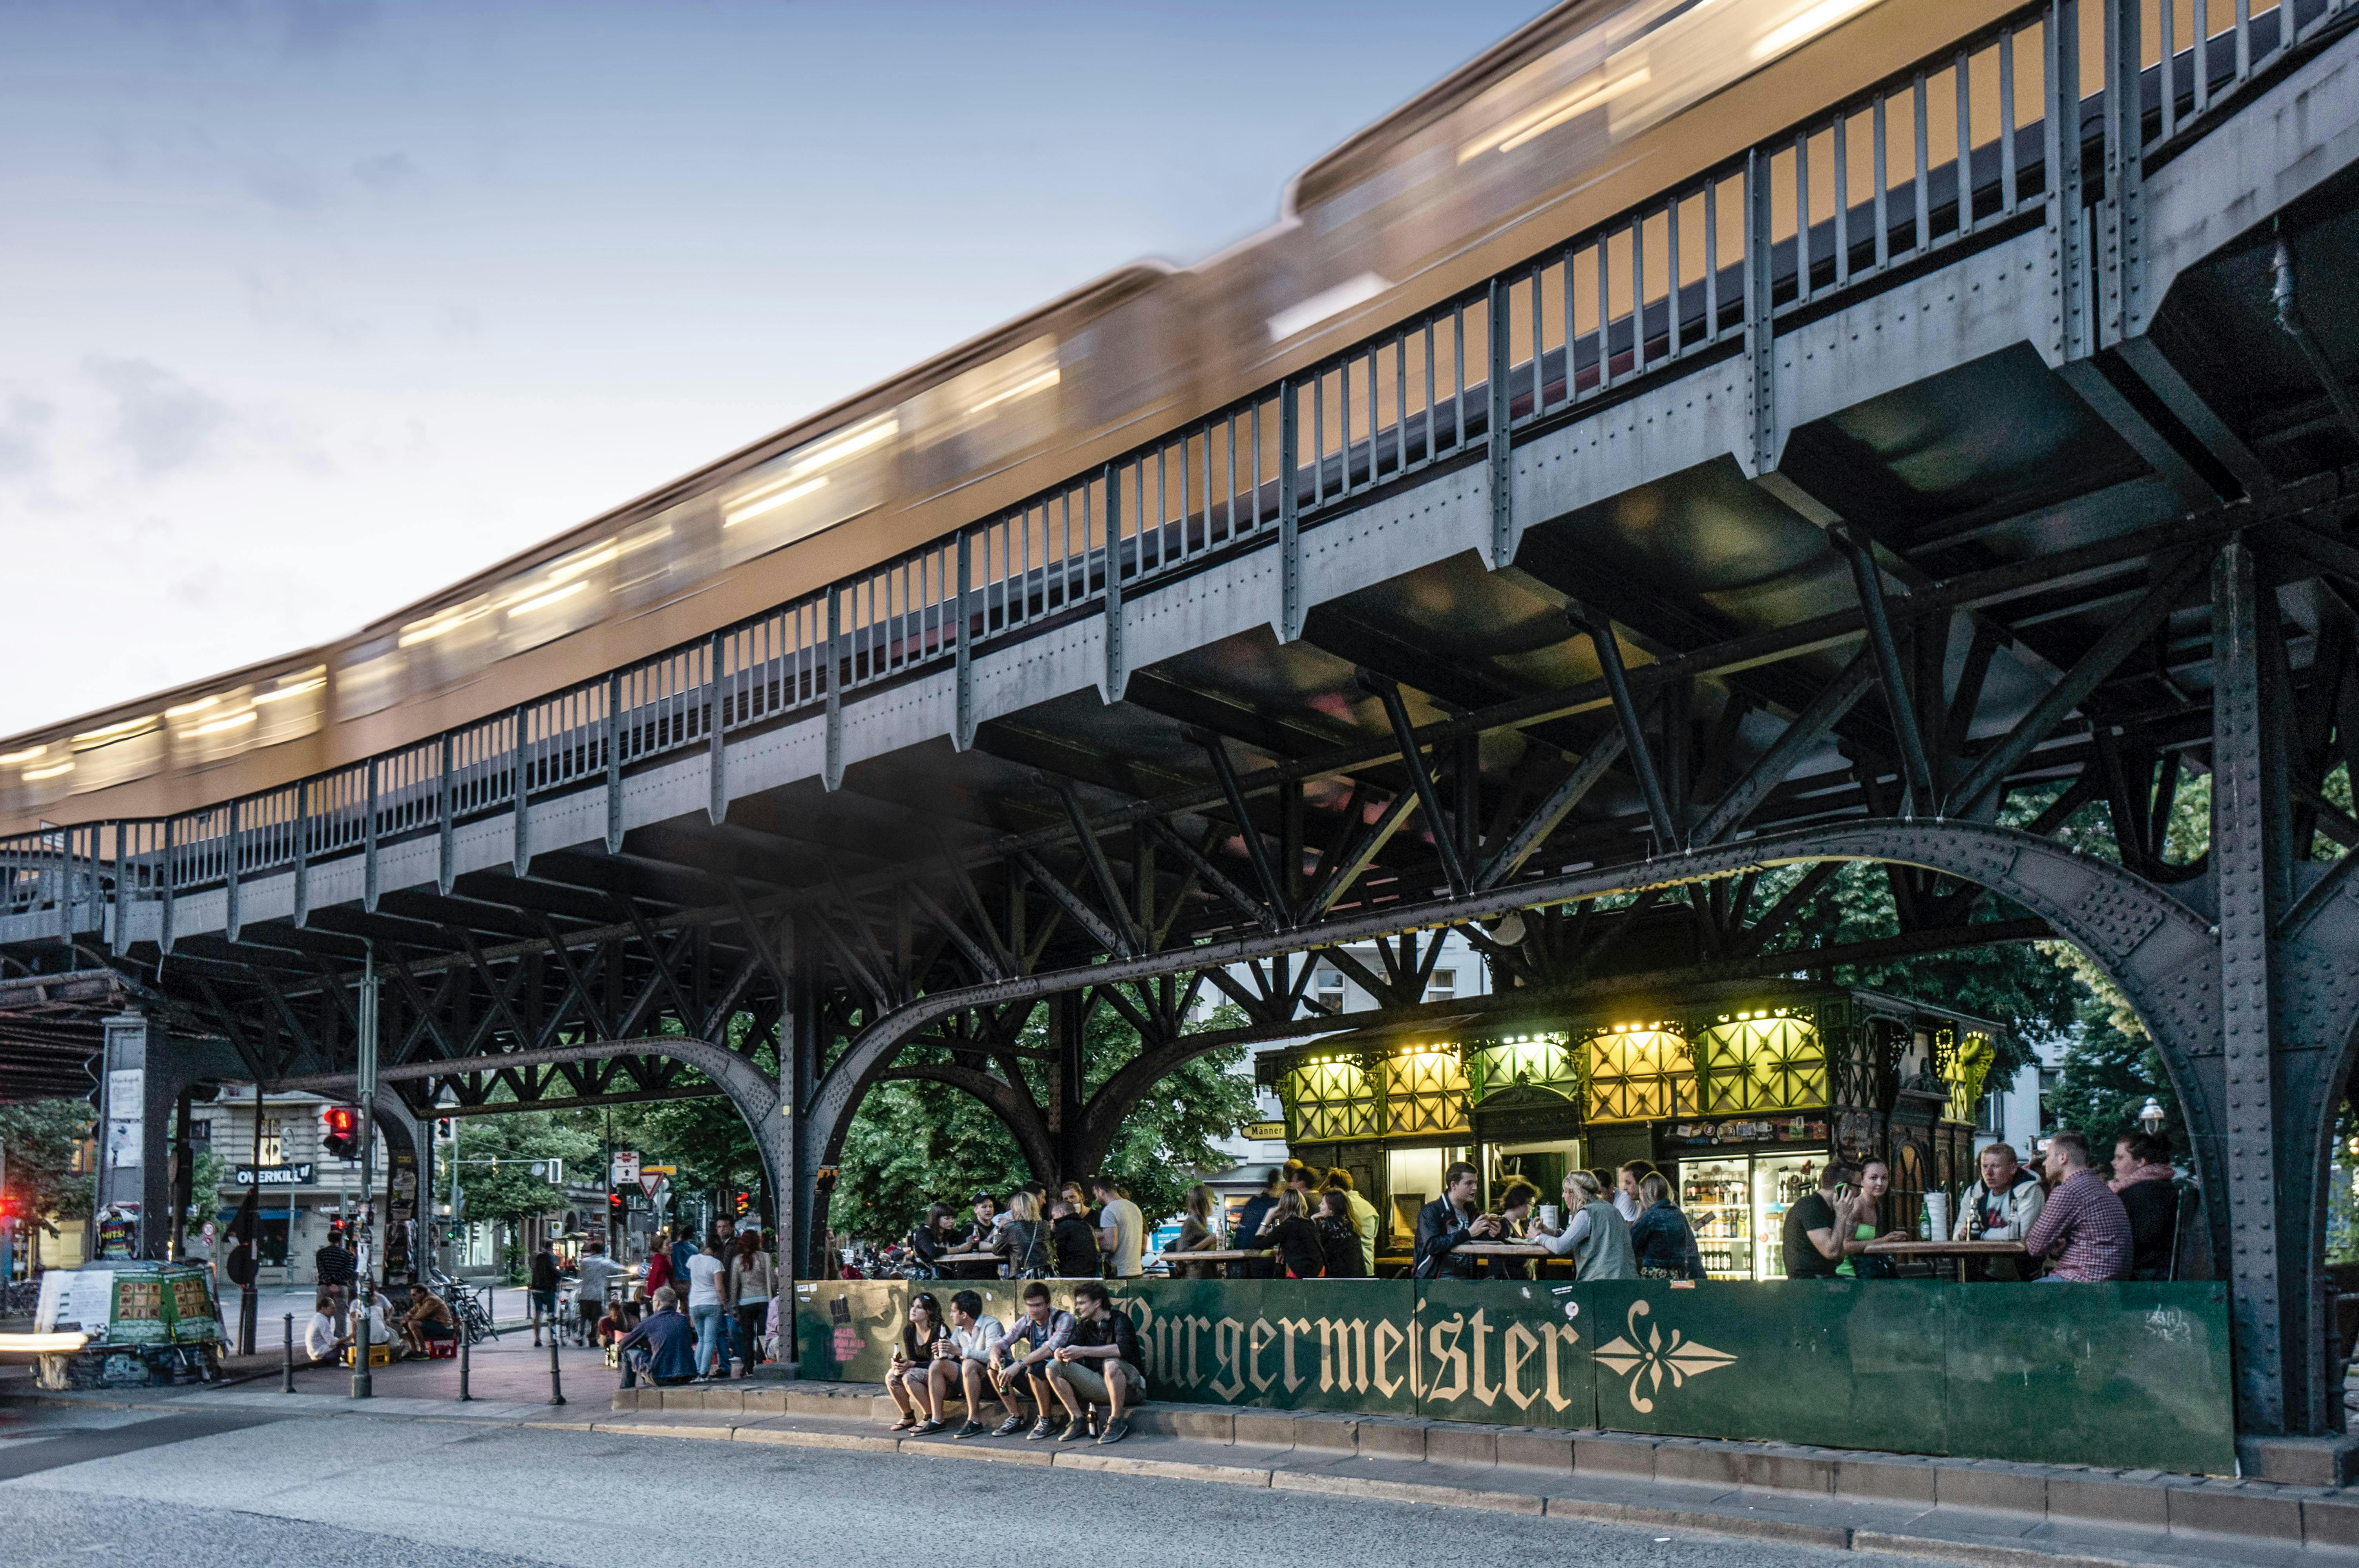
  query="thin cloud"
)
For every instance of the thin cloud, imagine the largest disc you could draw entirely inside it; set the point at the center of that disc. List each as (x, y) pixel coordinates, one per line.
(159, 419)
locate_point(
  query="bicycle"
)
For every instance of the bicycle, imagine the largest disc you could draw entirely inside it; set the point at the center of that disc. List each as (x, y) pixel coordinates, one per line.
(466, 1308)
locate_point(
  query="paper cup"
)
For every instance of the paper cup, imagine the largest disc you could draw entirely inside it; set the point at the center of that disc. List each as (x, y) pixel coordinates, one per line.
(1548, 1215)
(1937, 1208)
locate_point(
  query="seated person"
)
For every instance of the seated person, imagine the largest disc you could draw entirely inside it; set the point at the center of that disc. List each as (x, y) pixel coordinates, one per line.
(1098, 1365)
(662, 1349)
(965, 1372)
(321, 1342)
(1021, 1359)
(910, 1380)
(427, 1321)
(1515, 1224)
(620, 1319)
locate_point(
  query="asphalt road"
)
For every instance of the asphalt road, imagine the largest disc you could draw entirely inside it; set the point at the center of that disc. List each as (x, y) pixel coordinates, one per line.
(310, 1493)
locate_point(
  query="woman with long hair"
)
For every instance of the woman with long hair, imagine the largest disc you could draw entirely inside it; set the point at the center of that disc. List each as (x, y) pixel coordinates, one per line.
(1855, 1222)
(911, 1378)
(1023, 1241)
(1339, 1237)
(1300, 1252)
(1200, 1231)
(752, 1282)
(1662, 1239)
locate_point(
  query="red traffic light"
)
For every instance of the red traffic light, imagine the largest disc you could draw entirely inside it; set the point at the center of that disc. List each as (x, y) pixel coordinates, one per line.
(613, 1202)
(340, 1130)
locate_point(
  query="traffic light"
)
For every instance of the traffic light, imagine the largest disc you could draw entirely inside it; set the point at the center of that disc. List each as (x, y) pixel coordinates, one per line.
(339, 1131)
(613, 1206)
(744, 1203)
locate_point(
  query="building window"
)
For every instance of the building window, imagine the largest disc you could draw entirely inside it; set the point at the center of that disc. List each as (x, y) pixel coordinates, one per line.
(1328, 989)
(269, 1142)
(1442, 986)
(1330, 1098)
(1425, 1091)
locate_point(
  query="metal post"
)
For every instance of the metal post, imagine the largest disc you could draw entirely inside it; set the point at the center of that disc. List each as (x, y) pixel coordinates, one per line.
(466, 1338)
(365, 1080)
(287, 1367)
(556, 1387)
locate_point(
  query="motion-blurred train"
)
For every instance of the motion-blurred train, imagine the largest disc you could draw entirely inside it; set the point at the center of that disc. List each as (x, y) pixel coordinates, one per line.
(1589, 108)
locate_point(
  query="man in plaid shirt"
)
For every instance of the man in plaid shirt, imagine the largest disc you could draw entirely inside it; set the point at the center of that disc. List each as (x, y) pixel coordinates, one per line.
(2083, 1225)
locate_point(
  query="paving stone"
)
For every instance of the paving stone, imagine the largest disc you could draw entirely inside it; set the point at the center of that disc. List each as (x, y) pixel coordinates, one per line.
(1265, 1429)
(1614, 1455)
(2217, 1509)
(1536, 1448)
(1885, 1480)
(1205, 1424)
(1320, 1433)
(1698, 1465)
(2108, 1500)
(1787, 1471)
(2332, 1521)
(1392, 1437)
(1338, 1483)
(1991, 1489)
(1462, 1443)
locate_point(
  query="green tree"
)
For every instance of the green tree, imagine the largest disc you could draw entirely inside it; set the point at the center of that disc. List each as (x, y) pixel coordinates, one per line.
(40, 1139)
(508, 1193)
(913, 1142)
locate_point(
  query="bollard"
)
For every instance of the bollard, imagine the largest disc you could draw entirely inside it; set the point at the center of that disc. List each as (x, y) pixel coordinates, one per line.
(556, 1389)
(363, 1384)
(464, 1339)
(286, 1371)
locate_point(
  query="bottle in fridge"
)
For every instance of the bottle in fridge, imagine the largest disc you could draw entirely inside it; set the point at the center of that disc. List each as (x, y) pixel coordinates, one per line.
(1716, 1196)
(1779, 1182)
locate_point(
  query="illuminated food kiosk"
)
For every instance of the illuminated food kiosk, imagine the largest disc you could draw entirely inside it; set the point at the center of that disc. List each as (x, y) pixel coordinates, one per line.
(1740, 1094)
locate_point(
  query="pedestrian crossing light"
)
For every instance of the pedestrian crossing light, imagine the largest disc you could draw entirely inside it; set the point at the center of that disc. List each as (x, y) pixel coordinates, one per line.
(339, 1131)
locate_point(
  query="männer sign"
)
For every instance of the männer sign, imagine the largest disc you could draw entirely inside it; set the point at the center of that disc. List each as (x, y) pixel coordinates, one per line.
(272, 1175)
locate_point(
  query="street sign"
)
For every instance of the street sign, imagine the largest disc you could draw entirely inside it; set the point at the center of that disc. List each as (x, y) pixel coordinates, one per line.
(651, 1181)
(626, 1168)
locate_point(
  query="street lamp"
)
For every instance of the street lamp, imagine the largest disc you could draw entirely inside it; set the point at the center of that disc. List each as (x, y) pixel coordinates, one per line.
(2150, 1115)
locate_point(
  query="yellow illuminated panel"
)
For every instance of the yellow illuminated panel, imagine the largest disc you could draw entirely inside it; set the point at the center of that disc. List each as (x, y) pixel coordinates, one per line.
(1639, 1073)
(1329, 1098)
(1761, 1062)
(1425, 1091)
(1545, 1059)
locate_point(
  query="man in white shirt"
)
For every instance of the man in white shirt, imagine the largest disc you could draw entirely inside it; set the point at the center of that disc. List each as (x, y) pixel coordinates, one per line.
(321, 1341)
(975, 1332)
(1121, 1230)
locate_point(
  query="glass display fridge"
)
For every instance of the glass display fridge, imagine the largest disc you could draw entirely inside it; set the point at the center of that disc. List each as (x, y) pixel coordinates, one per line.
(1736, 1201)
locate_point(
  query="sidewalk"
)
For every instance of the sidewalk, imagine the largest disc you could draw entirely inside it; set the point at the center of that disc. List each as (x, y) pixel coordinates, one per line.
(1985, 1513)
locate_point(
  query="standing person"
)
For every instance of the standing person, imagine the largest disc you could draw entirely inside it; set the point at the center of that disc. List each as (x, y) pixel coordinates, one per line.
(708, 1309)
(1019, 1362)
(659, 1265)
(1812, 1240)
(966, 1373)
(1199, 1232)
(1023, 1241)
(1594, 1236)
(1855, 1222)
(1662, 1239)
(335, 1269)
(910, 1379)
(683, 1247)
(542, 1289)
(2084, 1228)
(1627, 1199)
(2149, 1189)
(1252, 1222)
(1300, 1254)
(751, 1282)
(1078, 1201)
(1449, 1222)
(1098, 1365)
(1075, 1241)
(1338, 1238)
(1362, 1214)
(1122, 1229)
(597, 1272)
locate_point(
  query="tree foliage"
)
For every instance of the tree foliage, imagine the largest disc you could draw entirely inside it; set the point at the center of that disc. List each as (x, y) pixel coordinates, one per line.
(509, 1191)
(913, 1142)
(40, 1139)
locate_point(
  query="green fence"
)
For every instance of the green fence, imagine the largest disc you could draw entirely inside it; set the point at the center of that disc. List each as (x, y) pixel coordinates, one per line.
(2130, 1376)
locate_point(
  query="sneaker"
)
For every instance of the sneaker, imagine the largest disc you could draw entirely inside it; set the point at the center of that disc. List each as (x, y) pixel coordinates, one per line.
(1009, 1426)
(925, 1427)
(1076, 1431)
(973, 1429)
(1116, 1430)
(1042, 1427)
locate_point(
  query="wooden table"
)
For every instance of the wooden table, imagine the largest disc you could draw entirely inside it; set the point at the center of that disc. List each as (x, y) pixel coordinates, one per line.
(1501, 1249)
(1217, 1254)
(1956, 1252)
(971, 1257)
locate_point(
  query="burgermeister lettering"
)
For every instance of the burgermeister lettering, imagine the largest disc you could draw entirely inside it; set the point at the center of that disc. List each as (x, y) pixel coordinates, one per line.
(1228, 1347)
(1523, 1345)
(1343, 1354)
(1441, 1343)
(1388, 1340)
(1259, 1338)
(1289, 1327)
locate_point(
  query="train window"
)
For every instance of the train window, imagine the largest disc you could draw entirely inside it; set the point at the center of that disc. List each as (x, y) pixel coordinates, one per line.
(814, 486)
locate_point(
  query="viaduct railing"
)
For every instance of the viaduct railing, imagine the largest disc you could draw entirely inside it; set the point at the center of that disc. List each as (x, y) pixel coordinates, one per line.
(1923, 167)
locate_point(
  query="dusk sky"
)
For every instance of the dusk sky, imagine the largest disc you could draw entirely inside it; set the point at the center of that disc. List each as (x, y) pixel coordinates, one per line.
(312, 307)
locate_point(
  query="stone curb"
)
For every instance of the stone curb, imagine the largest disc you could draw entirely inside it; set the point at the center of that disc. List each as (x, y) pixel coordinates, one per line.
(1976, 1554)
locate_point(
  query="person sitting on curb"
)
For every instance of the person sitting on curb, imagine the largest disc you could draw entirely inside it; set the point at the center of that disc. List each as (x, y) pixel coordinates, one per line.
(662, 1349)
(429, 1320)
(1099, 1365)
(967, 1373)
(321, 1342)
(1021, 1358)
